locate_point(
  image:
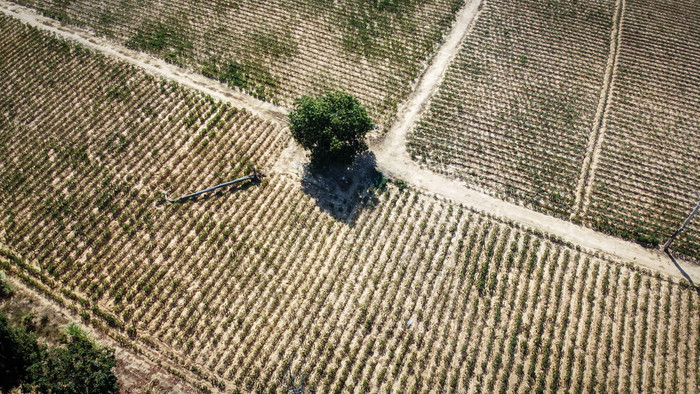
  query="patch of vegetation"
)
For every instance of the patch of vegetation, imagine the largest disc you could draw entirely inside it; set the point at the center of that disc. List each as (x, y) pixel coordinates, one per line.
(166, 39)
(638, 234)
(275, 44)
(118, 92)
(57, 10)
(331, 127)
(371, 20)
(106, 22)
(79, 365)
(221, 6)
(18, 351)
(6, 289)
(400, 184)
(249, 76)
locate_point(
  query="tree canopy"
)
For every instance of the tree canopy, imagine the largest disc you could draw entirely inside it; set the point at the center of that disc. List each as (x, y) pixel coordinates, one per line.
(80, 367)
(18, 350)
(332, 127)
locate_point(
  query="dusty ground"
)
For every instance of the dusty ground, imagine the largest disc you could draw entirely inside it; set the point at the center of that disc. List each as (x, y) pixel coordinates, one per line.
(390, 153)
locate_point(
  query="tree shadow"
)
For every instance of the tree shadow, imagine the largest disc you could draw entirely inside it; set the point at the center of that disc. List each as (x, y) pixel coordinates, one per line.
(340, 190)
(682, 271)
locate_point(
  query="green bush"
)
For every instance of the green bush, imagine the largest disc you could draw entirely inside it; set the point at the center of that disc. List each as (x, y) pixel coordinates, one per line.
(79, 366)
(18, 350)
(5, 287)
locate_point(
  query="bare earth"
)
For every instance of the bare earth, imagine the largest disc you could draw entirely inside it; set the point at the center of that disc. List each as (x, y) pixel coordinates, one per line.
(391, 155)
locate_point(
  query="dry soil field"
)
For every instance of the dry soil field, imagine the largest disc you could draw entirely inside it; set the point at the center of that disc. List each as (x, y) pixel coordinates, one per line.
(648, 169)
(514, 111)
(382, 288)
(280, 49)
(581, 109)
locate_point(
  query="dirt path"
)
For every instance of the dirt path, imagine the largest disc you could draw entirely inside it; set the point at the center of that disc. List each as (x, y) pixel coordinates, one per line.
(590, 163)
(391, 155)
(150, 64)
(393, 145)
(393, 159)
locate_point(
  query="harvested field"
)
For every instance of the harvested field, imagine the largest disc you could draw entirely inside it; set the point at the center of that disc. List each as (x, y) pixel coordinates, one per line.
(278, 50)
(397, 290)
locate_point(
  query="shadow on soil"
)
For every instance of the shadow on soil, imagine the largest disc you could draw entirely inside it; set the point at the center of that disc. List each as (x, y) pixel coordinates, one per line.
(340, 190)
(682, 271)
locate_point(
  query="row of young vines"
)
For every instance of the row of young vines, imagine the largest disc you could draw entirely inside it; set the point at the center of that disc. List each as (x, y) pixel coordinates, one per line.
(514, 112)
(278, 50)
(413, 293)
(648, 179)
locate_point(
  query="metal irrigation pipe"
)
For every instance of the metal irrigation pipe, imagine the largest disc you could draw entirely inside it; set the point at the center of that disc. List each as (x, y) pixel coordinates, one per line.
(254, 176)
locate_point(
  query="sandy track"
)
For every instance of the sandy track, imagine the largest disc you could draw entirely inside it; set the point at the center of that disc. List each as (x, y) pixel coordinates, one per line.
(393, 159)
(393, 146)
(391, 155)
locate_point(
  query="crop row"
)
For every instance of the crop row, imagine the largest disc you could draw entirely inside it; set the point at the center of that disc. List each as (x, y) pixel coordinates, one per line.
(514, 113)
(88, 147)
(648, 180)
(411, 293)
(279, 50)
(490, 304)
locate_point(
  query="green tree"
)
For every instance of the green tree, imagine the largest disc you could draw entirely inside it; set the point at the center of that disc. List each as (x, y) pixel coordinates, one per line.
(332, 127)
(18, 350)
(80, 367)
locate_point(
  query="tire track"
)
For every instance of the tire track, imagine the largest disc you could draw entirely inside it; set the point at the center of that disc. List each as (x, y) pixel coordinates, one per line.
(590, 162)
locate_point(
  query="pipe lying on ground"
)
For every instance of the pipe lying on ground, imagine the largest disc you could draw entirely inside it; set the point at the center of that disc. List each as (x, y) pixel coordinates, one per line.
(254, 176)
